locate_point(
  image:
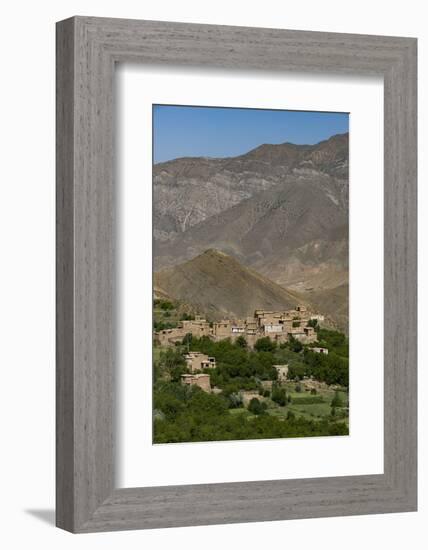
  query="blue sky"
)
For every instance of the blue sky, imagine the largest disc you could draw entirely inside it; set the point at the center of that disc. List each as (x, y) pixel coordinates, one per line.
(225, 132)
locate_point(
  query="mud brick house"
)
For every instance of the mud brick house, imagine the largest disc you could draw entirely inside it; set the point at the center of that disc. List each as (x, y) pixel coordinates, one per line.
(196, 360)
(169, 337)
(277, 325)
(198, 327)
(200, 380)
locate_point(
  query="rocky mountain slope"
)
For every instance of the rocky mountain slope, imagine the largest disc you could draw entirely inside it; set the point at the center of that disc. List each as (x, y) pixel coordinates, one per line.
(333, 303)
(281, 210)
(292, 233)
(218, 286)
(188, 191)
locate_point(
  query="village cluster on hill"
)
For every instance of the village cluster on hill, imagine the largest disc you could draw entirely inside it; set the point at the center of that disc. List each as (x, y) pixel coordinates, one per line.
(280, 326)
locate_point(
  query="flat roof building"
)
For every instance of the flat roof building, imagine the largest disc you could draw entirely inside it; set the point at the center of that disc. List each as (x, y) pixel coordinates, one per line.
(200, 380)
(196, 360)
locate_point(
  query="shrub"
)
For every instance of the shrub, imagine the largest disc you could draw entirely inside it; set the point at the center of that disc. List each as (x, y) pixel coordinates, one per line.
(187, 317)
(235, 401)
(256, 407)
(279, 396)
(160, 325)
(336, 401)
(166, 305)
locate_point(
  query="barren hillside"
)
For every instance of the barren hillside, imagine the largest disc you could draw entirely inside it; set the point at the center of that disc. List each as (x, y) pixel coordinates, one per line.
(218, 286)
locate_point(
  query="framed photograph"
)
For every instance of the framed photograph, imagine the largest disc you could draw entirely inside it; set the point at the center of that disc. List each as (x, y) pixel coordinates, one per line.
(250, 257)
(236, 274)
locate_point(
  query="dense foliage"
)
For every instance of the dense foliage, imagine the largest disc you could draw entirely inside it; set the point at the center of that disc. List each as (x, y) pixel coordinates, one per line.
(189, 414)
(237, 367)
(186, 413)
(164, 325)
(332, 368)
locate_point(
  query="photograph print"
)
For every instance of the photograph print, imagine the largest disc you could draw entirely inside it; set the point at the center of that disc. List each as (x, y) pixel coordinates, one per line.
(250, 274)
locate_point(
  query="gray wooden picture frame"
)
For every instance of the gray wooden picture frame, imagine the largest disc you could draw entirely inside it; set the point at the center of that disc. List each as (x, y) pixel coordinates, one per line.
(87, 50)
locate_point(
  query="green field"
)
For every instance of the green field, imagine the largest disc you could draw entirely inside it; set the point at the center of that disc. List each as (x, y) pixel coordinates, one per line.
(157, 352)
(308, 411)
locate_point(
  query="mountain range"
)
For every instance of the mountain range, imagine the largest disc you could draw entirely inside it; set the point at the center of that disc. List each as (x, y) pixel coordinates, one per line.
(280, 211)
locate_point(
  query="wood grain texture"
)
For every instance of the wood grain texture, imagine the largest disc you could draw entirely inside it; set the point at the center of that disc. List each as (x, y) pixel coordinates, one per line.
(64, 277)
(87, 50)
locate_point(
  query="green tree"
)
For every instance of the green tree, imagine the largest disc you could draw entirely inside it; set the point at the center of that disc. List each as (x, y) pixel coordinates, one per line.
(279, 396)
(265, 344)
(172, 358)
(335, 341)
(241, 342)
(188, 339)
(176, 373)
(256, 407)
(295, 345)
(296, 372)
